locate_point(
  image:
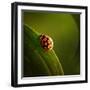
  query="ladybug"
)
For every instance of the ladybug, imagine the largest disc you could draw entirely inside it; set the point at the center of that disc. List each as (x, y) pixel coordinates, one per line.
(46, 42)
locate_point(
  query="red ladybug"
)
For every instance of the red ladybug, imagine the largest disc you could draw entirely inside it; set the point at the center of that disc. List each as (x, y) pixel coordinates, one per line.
(46, 42)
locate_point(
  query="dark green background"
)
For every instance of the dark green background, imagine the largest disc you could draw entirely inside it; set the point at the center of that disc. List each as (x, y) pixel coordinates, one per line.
(64, 28)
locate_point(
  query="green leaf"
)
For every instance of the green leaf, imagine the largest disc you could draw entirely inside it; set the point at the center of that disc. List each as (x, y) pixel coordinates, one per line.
(37, 61)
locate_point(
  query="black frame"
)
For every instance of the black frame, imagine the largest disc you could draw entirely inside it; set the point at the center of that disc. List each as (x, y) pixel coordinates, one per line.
(14, 42)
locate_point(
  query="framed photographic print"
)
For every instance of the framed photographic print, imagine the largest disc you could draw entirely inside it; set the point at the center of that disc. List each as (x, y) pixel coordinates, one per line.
(49, 44)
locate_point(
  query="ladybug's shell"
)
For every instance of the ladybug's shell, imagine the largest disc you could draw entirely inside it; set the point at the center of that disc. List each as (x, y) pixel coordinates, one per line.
(46, 42)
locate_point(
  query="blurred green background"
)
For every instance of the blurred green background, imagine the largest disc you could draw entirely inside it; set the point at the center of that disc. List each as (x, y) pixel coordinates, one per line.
(64, 28)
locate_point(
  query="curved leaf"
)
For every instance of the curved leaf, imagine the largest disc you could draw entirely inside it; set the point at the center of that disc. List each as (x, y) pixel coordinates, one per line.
(37, 61)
